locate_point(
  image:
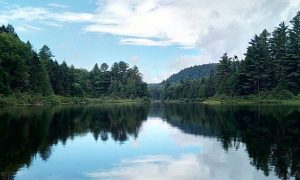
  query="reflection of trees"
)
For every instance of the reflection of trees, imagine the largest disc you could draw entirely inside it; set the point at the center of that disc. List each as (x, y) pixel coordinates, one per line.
(25, 132)
(271, 133)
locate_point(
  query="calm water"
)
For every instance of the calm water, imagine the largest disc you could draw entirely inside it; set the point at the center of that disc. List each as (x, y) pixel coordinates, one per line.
(150, 142)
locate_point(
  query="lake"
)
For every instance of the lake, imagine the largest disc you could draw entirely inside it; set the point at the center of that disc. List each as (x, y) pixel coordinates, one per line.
(156, 141)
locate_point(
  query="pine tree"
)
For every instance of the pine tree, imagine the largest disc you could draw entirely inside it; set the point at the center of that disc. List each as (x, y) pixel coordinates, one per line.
(279, 53)
(257, 69)
(223, 74)
(210, 88)
(39, 80)
(95, 77)
(105, 79)
(45, 53)
(56, 80)
(293, 63)
(11, 30)
(66, 78)
(247, 78)
(264, 65)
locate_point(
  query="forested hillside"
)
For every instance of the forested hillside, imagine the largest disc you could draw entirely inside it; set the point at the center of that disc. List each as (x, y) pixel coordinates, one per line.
(271, 68)
(187, 74)
(191, 73)
(24, 71)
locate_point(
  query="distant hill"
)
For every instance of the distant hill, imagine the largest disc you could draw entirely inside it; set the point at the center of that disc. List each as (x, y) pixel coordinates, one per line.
(191, 73)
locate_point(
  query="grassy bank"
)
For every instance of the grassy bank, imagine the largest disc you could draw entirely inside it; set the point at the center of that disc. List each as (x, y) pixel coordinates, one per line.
(29, 99)
(264, 98)
(237, 100)
(251, 101)
(282, 97)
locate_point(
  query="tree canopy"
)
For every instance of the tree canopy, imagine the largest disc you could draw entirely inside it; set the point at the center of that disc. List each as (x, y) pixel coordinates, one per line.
(22, 70)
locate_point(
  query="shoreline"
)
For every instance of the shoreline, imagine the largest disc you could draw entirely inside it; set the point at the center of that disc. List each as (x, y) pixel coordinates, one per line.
(36, 100)
(237, 101)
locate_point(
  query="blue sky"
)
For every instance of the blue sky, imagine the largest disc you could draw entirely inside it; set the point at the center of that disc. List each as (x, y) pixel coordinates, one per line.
(161, 37)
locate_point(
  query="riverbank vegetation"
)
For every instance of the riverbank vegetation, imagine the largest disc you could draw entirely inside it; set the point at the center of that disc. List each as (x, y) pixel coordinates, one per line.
(270, 72)
(30, 77)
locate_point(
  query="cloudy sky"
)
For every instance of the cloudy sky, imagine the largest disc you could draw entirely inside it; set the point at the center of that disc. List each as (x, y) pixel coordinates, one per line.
(159, 36)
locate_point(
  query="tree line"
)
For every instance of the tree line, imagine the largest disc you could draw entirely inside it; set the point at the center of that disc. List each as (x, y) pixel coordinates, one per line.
(271, 64)
(23, 70)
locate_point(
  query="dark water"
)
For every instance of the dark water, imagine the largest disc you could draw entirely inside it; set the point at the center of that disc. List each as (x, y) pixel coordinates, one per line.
(150, 142)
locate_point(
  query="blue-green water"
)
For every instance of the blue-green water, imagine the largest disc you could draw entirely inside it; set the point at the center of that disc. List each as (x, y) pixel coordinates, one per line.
(150, 142)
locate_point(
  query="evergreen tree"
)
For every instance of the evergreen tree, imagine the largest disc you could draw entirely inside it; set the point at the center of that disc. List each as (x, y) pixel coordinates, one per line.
(210, 88)
(293, 63)
(65, 76)
(45, 53)
(39, 80)
(264, 66)
(279, 53)
(105, 80)
(56, 81)
(223, 74)
(95, 81)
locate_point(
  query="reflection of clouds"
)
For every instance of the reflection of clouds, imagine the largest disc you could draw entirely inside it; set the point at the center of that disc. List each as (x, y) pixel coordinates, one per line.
(211, 163)
(156, 167)
(187, 166)
(187, 140)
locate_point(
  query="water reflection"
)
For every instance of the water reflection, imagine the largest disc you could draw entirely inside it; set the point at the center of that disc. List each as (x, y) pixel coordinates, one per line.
(267, 137)
(25, 132)
(271, 134)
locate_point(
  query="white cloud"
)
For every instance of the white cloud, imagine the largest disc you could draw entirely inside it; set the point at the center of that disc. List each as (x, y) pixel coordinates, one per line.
(155, 167)
(211, 26)
(56, 5)
(71, 17)
(158, 77)
(214, 26)
(188, 61)
(26, 27)
(43, 15)
(144, 42)
(191, 23)
(23, 14)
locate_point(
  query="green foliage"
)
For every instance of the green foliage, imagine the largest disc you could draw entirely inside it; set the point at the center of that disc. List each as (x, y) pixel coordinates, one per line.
(155, 91)
(270, 71)
(191, 73)
(39, 79)
(24, 71)
(223, 74)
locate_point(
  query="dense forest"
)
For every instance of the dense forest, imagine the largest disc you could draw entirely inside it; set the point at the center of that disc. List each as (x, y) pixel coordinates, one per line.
(191, 73)
(271, 67)
(25, 71)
